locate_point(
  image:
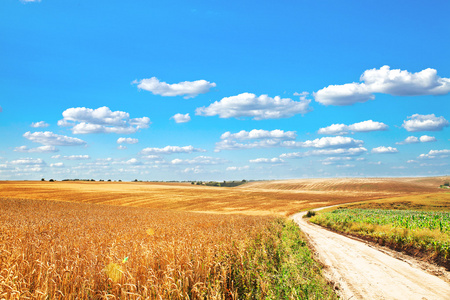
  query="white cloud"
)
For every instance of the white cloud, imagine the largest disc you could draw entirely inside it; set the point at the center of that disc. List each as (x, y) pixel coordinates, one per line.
(427, 139)
(101, 120)
(170, 150)
(436, 154)
(325, 142)
(41, 149)
(237, 168)
(49, 138)
(383, 149)
(75, 157)
(260, 134)
(57, 165)
(430, 122)
(199, 160)
(365, 126)
(384, 80)
(27, 161)
(334, 129)
(414, 140)
(180, 118)
(274, 160)
(326, 152)
(39, 124)
(233, 145)
(121, 147)
(409, 140)
(258, 107)
(188, 89)
(347, 94)
(334, 159)
(127, 141)
(332, 142)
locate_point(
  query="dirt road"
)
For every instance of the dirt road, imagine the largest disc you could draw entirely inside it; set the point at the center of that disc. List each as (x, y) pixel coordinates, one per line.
(362, 272)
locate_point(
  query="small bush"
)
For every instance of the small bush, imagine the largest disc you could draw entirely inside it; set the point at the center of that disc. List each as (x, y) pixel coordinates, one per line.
(310, 213)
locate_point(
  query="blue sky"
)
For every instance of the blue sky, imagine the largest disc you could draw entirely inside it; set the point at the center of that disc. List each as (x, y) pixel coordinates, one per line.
(213, 90)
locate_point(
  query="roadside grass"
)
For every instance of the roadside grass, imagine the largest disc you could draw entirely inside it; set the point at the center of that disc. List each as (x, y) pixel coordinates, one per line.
(55, 250)
(422, 233)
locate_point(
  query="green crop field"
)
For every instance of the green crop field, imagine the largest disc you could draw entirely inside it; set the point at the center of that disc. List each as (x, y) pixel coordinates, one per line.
(426, 231)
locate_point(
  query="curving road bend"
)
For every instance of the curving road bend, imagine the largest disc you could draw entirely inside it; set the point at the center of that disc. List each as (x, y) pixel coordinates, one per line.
(362, 272)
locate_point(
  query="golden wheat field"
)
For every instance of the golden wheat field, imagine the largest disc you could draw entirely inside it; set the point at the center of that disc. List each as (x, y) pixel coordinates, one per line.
(283, 197)
(102, 240)
(76, 250)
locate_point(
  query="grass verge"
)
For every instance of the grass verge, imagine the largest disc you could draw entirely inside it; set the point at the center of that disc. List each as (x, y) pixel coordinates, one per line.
(279, 265)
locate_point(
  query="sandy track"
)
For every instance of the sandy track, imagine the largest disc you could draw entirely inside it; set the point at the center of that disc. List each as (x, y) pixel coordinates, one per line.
(362, 272)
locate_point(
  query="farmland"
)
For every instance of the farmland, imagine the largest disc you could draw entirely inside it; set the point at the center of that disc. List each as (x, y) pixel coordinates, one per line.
(284, 197)
(172, 240)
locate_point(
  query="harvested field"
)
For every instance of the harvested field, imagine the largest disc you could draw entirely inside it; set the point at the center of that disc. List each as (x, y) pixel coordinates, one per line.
(284, 197)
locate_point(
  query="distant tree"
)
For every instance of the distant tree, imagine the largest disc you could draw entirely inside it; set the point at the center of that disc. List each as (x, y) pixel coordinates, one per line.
(43, 179)
(51, 180)
(109, 180)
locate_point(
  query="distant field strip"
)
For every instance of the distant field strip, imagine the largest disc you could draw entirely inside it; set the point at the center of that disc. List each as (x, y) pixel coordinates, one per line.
(255, 198)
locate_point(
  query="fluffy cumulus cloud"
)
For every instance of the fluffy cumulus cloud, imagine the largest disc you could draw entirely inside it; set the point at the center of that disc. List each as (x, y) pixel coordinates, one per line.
(326, 142)
(41, 149)
(49, 138)
(101, 120)
(327, 152)
(28, 161)
(383, 149)
(40, 124)
(433, 154)
(123, 140)
(414, 140)
(180, 118)
(75, 157)
(257, 107)
(386, 81)
(427, 139)
(232, 169)
(57, 165)
(188, 89)
(259, 134)
(336, 159)
(170, 150)
(199, 160)
(332, 142)
(274, 160)
(430, 122)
